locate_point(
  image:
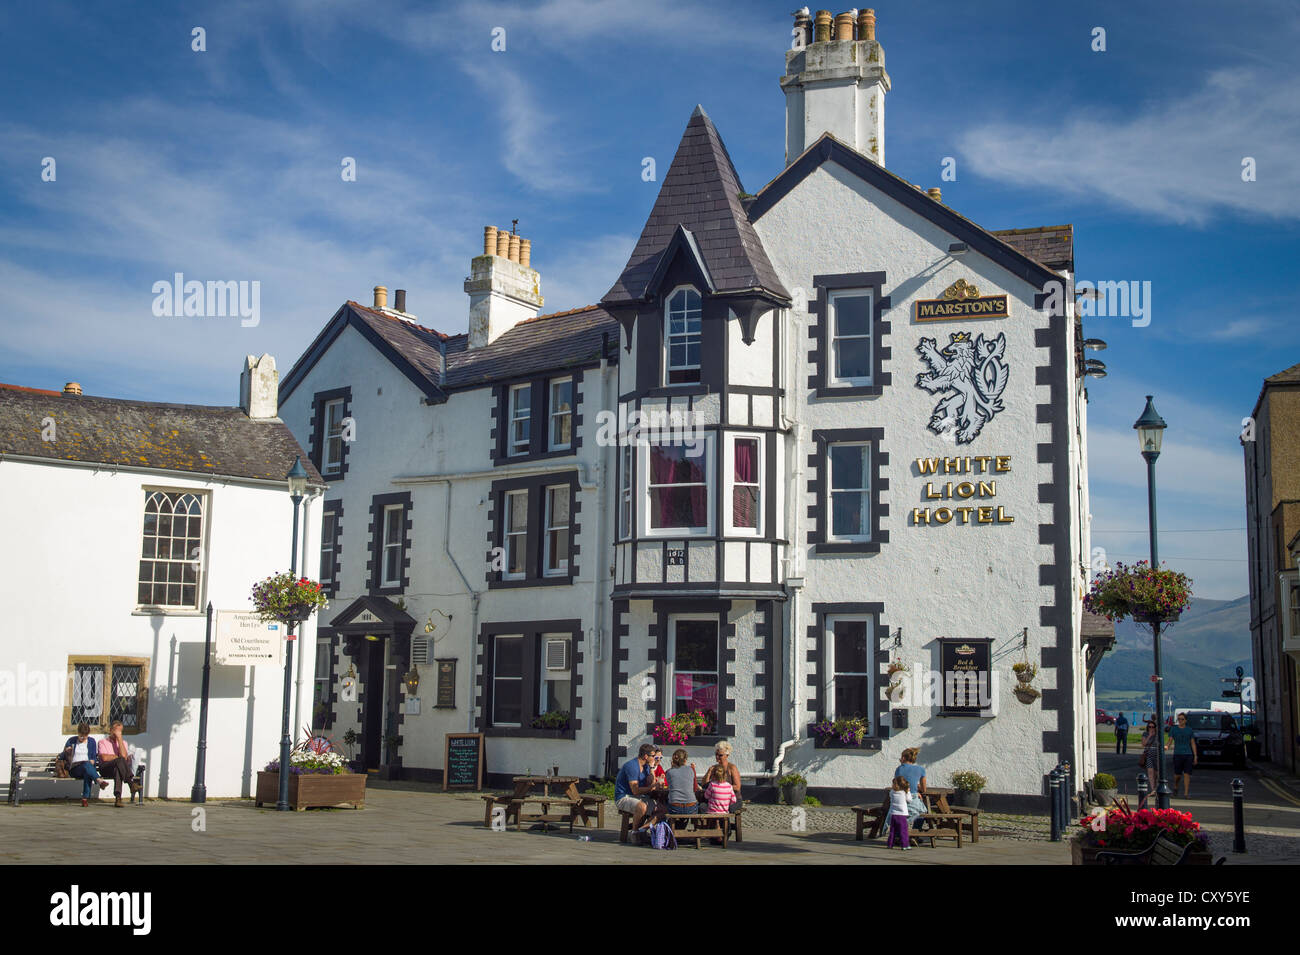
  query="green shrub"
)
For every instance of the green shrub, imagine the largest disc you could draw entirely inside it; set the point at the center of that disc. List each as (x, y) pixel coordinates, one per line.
(792, 779)
(602, 787)
(811, 801)
(1103, 781)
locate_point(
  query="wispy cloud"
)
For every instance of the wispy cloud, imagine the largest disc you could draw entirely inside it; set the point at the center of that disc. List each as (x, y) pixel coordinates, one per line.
(1179, 159)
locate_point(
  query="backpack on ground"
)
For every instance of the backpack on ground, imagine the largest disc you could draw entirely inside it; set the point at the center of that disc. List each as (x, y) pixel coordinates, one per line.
(661, 836)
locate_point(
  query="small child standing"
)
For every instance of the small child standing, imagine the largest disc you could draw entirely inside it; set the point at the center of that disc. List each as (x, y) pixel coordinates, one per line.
(898, 813)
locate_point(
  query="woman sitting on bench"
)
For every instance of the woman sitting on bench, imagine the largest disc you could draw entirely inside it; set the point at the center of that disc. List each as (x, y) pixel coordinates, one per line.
(115, 762)
(81, 753)
(683, 787)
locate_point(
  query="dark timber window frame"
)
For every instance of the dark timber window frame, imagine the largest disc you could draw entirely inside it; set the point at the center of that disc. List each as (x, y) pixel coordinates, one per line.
(539, 420)
(534, 487)
(319, 439)
(821, 359)
(375, 566)
(877, 661)
(533, 633)
(330, 584)
(819, 513)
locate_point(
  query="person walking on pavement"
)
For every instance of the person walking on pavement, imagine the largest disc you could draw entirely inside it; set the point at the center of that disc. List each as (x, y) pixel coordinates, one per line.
(1121, 734)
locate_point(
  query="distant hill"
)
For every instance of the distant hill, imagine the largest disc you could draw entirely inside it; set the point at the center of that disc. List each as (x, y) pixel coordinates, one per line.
(1209, 642)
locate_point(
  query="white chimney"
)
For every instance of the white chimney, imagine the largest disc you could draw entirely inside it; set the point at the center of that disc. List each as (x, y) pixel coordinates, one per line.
(835, 82)
(259, 388)
(503, 287)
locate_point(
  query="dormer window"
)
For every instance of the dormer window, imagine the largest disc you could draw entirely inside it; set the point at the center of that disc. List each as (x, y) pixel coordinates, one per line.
(682, 337)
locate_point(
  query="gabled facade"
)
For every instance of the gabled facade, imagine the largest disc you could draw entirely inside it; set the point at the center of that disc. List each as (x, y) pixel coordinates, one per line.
(807, 435)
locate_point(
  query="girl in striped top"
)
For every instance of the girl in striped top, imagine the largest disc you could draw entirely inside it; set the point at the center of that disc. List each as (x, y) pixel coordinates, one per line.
(720, 794)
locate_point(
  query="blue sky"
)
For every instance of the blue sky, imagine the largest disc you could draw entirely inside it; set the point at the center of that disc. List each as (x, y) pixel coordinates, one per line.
(225, 165)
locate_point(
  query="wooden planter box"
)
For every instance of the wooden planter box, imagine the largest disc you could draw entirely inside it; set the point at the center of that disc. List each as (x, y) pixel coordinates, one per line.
(1087, 855)
(311, 790)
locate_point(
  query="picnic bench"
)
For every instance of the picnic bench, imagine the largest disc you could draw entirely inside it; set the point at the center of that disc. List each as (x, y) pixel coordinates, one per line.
(943, 825)
(575, 806)
(1164, 851)
(704, 825)
(23, 766)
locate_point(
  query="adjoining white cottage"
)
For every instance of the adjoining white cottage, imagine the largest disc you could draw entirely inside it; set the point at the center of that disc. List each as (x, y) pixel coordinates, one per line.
(121, 520)
(807, 435)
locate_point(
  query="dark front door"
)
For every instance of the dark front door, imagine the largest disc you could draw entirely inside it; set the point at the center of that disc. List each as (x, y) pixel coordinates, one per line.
(372, 705)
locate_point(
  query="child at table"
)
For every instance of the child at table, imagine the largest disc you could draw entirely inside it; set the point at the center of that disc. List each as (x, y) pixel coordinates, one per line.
(719, 793)
(898, 813)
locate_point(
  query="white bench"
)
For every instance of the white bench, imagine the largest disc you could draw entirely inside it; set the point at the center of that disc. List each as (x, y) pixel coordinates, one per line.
(23, 766)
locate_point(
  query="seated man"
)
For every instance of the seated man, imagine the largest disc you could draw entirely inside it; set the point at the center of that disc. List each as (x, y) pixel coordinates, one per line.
(634, 784)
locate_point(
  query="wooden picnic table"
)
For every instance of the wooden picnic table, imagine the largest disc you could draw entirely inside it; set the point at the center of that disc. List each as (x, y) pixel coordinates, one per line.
(574, 806)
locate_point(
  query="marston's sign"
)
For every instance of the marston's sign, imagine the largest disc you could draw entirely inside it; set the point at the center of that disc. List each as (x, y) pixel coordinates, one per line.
(961, 300)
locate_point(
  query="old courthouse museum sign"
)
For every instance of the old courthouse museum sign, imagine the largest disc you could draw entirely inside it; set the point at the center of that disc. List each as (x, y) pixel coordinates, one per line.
(958, 480)
(961, 300)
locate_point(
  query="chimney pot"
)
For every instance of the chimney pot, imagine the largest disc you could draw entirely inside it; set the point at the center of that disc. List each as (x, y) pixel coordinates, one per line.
(514, 247)
(935, 193)
(526, 253)
(823, 27)
(72, 388)
(503, 243)
(381, 296)
(399, 300)
(844, 26)
(489, 239)
(867, 25)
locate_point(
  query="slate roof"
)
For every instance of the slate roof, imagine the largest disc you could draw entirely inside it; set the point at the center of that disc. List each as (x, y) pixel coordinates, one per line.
(193, 439)
(701, 193)
(1052, 245)
(1286, 376)
(545, 343)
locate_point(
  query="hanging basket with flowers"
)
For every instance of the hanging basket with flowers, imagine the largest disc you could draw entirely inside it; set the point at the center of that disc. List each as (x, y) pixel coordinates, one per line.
(287, 599)
(1145, 593)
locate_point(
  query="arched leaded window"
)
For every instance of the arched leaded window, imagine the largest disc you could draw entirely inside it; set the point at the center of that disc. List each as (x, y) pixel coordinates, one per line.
(682, 337)
(171, 555)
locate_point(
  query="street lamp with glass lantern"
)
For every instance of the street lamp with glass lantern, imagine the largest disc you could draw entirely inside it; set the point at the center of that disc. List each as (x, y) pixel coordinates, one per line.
(1151, 428)
(297, 481)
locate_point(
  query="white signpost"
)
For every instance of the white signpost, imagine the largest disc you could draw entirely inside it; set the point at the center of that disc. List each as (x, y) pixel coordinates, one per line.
(243, 639)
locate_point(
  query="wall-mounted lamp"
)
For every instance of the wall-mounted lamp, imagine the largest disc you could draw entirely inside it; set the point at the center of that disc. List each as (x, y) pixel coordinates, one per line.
(429, 625)
(412, 679)
(1096, 344)
(372, 638)
(1093, 368)
(958, 248)
(898, 638)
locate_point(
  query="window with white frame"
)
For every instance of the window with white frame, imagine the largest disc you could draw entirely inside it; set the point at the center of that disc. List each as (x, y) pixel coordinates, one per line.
(328, 532)
(847, 667)
(694, 668)
(333, 437)
(850, 341)
(171, 554)
(682, 337)
(744, 516)
(625, 479)
(394, 518)
(555, 686)
(677, 484)
(521, 413)
(850, 491)
(516, 535)
(508, 680)
(561, 415)
(557, 531)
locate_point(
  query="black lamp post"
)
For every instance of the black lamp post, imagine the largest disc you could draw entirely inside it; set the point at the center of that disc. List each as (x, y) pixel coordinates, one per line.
(297, 478)
(1151, 428)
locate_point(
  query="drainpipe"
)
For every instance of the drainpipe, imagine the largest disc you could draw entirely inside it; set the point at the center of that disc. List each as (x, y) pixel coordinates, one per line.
(603, 486)
(473, 606)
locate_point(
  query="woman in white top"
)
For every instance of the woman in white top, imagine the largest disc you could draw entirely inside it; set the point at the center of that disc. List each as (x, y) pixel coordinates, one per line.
(81, 753)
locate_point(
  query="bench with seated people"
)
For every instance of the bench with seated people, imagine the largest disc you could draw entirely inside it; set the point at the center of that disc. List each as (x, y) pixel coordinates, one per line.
(83, 761)
(930, 817)
(695, 811)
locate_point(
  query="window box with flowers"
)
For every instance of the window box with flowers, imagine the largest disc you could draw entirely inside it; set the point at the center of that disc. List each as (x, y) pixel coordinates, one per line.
(1145, 593)
(678, 729)
(553, 723)
(849, 732)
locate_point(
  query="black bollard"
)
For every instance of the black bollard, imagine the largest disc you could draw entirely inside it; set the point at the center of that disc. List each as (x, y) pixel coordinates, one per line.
(1054, 791)
(1143, 786)
(1238, 816)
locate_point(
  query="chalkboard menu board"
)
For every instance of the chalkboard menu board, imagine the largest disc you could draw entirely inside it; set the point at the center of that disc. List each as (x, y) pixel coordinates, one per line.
(967, 677)
(463, 762)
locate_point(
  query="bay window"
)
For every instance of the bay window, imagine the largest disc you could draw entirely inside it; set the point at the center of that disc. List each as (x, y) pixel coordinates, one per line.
(678, 489)
(625, 478)
(746, 499)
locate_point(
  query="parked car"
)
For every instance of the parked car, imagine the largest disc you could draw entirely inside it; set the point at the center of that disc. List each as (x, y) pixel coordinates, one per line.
(1218, 737)
(1104, 717)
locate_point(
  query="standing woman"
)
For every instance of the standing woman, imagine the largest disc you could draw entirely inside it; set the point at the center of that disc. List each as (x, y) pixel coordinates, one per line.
(115, 762)
(81, 753)
(915, 776)
(1150, 754)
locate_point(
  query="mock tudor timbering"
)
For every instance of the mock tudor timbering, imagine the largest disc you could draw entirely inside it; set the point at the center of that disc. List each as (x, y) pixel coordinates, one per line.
(743, 429)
